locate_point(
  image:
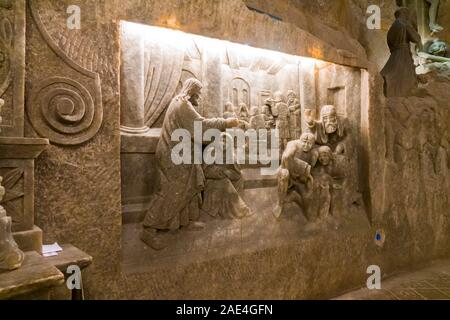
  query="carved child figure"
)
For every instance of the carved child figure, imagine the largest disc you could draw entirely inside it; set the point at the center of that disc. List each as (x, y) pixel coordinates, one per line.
(11, 257)
(228, 111)
(295, 124)
(256, 119)
(319, 202)
(268, 117)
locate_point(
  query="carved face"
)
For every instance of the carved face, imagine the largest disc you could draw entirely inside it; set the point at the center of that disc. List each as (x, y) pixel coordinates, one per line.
(307, 142)
(291, 97)
(329, 119)
(330, 123)
(325, 156)
(195, 97)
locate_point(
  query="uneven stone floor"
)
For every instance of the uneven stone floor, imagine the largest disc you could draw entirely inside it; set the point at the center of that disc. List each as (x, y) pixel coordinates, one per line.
(431, 283)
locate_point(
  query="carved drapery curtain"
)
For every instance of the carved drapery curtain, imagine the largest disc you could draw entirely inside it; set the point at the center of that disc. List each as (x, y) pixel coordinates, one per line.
(163, 64)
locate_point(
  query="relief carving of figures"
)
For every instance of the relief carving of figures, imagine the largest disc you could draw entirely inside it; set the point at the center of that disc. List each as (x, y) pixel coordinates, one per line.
(229, 111)
(295, 123)
(257, 120)
(178, 200)
(280, 112)
(319, 201)
(313, 168)
(243, 112)
(268, 116)
(294, 175)
(11, 257)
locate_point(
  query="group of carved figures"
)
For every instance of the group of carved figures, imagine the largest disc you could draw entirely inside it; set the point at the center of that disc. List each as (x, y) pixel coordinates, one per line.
(278, 112)
(311, 164)
(400, 72)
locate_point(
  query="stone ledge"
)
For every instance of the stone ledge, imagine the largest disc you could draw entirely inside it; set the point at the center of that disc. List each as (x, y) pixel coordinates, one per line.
(140, 143)
(36, 274)
(70, 256)
(22, 148)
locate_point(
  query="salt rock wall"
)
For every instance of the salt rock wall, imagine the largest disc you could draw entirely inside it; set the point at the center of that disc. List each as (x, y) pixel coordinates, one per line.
(78, 186)
(417, 171)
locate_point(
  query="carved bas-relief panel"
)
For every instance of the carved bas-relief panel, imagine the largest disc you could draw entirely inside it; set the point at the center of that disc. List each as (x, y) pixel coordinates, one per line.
(12, 66)
(65, 103)
(311, 111)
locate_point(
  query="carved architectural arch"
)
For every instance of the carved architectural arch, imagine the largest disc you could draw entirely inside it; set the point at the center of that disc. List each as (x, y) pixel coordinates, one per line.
(240, 92)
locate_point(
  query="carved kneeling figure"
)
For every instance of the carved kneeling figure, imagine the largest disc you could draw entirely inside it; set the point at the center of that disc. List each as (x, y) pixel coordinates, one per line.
(11, 257)
(221, 195)
(294, 174)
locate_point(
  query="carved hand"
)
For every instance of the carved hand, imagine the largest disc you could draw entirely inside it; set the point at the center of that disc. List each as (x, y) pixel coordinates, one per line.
(232, 122)
(309, 116)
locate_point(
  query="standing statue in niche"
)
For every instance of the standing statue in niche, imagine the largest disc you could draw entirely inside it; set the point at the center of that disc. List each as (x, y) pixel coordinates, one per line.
(295, 124)
(280, 112)
(329, 130)
(399, 72)
(11, 257)
(178, 200)
(294, 174)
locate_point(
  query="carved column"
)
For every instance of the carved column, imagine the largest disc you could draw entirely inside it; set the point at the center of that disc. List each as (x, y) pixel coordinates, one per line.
(132, 81)
(17, 153)
(212, 83)
(307, 87)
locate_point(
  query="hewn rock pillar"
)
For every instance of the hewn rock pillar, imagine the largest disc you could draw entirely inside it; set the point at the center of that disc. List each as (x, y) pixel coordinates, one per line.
(307, 87)
(132, 81)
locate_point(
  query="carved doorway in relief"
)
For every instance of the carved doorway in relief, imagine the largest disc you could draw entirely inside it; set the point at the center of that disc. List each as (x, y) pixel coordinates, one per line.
(240, 92)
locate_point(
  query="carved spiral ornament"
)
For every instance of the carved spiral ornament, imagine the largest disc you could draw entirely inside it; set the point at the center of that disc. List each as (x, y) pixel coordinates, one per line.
(63, 111)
